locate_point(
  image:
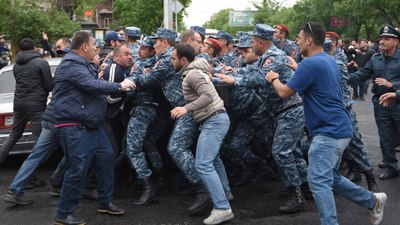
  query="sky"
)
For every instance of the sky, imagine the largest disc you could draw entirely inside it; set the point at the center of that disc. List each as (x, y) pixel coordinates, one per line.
(200, 11)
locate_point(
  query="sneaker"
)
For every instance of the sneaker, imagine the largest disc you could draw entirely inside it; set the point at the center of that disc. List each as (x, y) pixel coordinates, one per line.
(377, 211)
(218, 216)
(12, 198)
(229, 196)
(54, 191)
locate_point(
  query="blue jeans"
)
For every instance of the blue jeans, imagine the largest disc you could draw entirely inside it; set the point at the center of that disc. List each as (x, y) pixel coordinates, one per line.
(323, 176)
(82, 145)
(208, 163)
(45, 146)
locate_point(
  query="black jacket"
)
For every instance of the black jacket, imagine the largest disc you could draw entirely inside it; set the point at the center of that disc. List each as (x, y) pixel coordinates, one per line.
(33, 82)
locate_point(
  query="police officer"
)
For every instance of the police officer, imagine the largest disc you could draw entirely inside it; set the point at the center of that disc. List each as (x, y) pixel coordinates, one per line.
(244, 101)
(112, 39)
(133, 34)
(281, 35)
(384, 70)
(185, 129)
(337, 52)
(143, 115)
(288, 115)
(355, 152)
(228, 58)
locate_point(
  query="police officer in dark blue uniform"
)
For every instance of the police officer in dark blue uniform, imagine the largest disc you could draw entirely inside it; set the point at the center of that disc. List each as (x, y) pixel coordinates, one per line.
(133, 34)
(384, 70)
(283, 43)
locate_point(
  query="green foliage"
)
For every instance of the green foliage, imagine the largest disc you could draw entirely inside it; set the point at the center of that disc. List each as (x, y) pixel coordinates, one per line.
(27, 20)
(145, 14)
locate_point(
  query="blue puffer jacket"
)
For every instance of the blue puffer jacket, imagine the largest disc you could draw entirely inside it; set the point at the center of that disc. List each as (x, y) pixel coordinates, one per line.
(79, 96)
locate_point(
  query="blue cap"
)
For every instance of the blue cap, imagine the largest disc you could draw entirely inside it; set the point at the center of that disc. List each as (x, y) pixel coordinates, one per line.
(328, 46)
(133, 32)
(148, 42)
(199, 29)
(164, 33)
(222, 34)
(99, 43)
(63, 51)
(113, 36)
(263, 31)
(389, 31)
(244, 41)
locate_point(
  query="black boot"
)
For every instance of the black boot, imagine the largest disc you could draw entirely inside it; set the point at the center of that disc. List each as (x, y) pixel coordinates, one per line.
(202, 201)
(295, 203)
(305, 189)
(149, 192)
(354, 176)
(159, 178)
(372, 185)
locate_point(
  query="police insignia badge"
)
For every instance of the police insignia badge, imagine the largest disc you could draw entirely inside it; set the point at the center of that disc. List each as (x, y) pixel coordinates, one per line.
(293, 53)
(267, 62)
(385, 29)
(157, 63)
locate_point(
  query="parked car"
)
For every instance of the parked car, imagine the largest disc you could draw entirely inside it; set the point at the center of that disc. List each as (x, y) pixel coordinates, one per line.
(7, 87)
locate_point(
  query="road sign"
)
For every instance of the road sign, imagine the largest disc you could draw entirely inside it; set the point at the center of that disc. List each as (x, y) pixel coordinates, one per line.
(176, 6)
(241, 18)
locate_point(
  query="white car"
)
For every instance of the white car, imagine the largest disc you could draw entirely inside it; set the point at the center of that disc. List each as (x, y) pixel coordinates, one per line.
(7, 87)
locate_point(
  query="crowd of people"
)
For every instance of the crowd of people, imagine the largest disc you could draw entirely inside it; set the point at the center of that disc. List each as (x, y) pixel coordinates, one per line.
(241, 109)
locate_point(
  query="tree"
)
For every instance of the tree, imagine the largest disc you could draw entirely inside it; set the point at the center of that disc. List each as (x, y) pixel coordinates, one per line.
(265, 9)
(145, 14)
(27, 20)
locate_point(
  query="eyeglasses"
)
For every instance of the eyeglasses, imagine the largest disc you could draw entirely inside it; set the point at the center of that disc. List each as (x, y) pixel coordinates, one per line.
(309, 27)
(198, 41)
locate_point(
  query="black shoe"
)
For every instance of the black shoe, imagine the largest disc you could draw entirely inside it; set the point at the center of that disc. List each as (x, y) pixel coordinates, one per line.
(202, 202)
(90, 194)
(295, 203)
(148, 194)
(69, 220)
(12, 198)
(382, 165)
(372, 185)
(110, 209)
(35, 183)
(305, 189)
(355, 97)
(354, 176)
(388, 175)
(284, 193)
(362, 98)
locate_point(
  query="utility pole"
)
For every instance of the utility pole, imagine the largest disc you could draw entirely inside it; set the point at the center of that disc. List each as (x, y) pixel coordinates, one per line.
(167, 15)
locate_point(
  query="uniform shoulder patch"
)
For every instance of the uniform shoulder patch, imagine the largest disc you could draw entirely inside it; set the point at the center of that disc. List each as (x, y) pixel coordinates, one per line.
(268, 61)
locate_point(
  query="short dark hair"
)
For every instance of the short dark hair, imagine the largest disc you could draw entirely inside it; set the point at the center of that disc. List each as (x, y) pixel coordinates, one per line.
(171, 43)
(185, 50)
(80, 38)
(316, 31)
(27, 44)
(66, 41)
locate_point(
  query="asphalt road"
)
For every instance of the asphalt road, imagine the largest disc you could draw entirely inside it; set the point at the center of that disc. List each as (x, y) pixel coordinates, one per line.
(256, 204)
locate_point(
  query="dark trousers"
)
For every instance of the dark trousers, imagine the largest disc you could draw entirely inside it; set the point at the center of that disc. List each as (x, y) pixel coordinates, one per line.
(81, 146)
(19, 123)
(388, 121)
(358, 88)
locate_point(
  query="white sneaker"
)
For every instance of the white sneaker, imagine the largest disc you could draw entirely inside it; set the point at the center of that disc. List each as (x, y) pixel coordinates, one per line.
(377, 212)
(218, 216)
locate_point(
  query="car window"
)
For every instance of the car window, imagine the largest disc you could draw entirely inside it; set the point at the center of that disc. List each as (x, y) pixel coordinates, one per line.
(7, 82)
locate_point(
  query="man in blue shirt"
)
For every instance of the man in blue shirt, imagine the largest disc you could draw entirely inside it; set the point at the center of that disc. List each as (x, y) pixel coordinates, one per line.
(317, 80)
